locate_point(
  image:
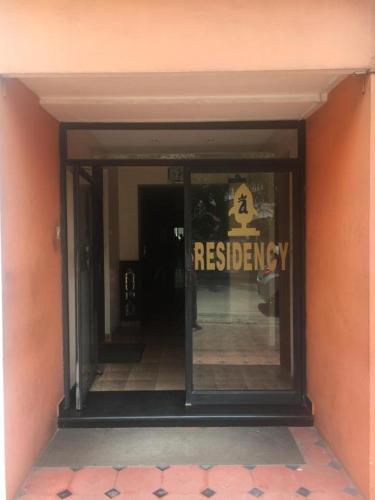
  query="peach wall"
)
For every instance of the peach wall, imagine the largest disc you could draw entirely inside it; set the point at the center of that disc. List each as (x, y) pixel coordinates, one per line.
(29, 184)
(337, 251)
(372, 287)
(82, 36)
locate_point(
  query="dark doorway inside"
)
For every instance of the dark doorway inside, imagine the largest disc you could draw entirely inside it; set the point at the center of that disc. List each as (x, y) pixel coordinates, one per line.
(161, 219)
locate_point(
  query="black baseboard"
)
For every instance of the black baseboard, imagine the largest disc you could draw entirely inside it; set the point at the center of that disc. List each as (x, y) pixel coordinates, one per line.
(167, 409)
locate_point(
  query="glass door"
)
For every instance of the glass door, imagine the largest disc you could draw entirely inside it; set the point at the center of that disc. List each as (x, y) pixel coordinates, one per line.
(86, 325)
(242, 342)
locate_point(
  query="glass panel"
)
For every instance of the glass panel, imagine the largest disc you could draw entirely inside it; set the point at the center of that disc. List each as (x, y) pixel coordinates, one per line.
(182, 144)
(87, 335)
(241, 283)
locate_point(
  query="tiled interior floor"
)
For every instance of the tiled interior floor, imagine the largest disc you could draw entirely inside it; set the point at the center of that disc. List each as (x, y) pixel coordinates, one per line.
(162, 366)
(238, 347)
(239, 377)
(320, 477)
(246, 360)
(164, 376)
(141, 376)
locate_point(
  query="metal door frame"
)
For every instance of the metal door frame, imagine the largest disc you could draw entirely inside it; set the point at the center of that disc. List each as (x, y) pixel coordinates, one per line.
(295, 165)
(77, 174)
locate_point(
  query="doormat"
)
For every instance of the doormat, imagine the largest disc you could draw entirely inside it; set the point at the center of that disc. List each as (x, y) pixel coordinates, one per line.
(121, 353)
(173, 446)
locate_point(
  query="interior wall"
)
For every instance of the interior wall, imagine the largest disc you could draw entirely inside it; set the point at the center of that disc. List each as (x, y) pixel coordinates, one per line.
(337, 281)
(129, 180)
(111, 249)
(30, 208)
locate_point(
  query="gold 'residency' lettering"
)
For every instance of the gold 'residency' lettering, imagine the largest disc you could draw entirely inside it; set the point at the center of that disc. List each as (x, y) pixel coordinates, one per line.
(247, 256)
(220, 254)
(236, 255)
(270, 252)
(239, 256)
(210, 256)
(283, 253)
(199, 256)
(259, 256)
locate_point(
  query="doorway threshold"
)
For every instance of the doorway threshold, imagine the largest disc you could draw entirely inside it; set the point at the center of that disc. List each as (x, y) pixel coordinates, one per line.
(168, 409)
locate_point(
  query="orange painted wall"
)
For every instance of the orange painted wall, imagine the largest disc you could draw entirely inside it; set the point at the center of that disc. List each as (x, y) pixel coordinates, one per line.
(29, 184)
(337, 251)
(79, 36)
(372, 287)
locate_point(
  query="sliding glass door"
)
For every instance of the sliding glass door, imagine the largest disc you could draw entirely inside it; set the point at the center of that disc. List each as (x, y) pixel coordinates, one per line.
(242, 332)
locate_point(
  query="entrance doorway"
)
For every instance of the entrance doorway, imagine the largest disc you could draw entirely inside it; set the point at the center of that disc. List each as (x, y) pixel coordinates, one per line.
(145, 350)
(208, 281)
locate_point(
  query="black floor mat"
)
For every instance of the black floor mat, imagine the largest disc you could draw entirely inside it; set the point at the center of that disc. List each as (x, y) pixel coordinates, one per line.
(121, 353)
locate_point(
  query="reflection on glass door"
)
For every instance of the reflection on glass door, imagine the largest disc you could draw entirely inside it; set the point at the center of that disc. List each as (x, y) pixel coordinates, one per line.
(85, 284)
(241, 281)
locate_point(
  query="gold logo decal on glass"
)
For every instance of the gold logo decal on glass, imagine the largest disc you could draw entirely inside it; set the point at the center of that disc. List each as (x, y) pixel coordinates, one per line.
(243, 211)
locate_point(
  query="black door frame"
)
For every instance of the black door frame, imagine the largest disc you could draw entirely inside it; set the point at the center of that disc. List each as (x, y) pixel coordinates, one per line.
(83, 381)
(295, 165)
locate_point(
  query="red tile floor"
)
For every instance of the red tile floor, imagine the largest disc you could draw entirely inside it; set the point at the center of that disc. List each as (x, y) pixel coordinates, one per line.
(321, 477)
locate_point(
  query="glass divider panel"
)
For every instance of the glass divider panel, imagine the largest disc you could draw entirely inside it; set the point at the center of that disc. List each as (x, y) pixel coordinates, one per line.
(241, 281)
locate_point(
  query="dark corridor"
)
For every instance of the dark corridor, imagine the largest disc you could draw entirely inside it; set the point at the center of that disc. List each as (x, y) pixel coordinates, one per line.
(161, 248)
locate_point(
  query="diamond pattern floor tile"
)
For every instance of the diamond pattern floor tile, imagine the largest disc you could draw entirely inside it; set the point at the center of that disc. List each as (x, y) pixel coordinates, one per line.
(93, 480)
(208, 493)
(139, 480)
(184, 479)
(48, 481)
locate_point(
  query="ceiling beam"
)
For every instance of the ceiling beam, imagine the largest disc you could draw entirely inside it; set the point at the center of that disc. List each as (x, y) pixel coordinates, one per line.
(316, 98)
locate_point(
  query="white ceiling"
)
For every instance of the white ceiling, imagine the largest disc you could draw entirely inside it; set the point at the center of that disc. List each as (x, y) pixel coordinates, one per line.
(162, 97)
(233, 143)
